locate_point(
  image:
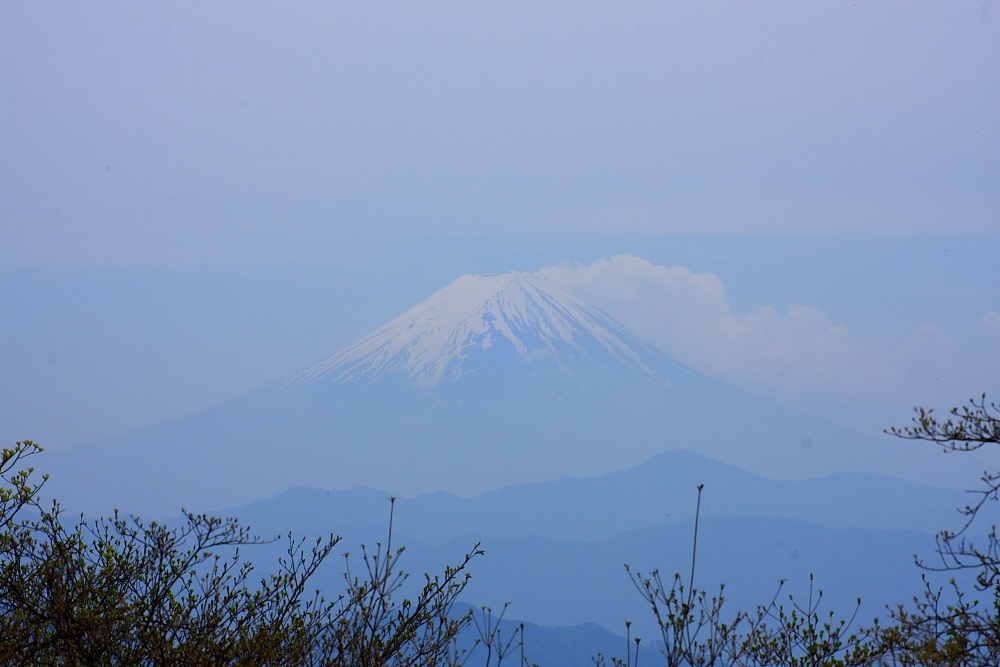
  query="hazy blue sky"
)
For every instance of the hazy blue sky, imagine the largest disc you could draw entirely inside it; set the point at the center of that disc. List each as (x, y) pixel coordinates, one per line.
(197, 198)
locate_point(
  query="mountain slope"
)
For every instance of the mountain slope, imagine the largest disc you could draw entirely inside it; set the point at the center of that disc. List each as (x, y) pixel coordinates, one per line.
(518, 316)
(494, 380)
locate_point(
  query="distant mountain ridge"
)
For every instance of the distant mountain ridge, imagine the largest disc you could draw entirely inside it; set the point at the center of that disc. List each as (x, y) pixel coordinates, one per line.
(556, 549)
(657, 492)
(493, 381)
(566, 582)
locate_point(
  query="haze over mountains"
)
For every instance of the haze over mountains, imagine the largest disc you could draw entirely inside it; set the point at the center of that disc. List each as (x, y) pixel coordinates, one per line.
(577, 447)
(211, 205)
(657, 492)
(556, 550)
(493, 381)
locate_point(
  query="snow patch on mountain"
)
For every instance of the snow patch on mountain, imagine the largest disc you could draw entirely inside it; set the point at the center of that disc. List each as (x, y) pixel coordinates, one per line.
(429, 342)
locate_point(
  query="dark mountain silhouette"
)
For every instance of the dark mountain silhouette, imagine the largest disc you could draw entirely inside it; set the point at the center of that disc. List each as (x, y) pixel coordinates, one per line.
(657, 492)
(556, 549)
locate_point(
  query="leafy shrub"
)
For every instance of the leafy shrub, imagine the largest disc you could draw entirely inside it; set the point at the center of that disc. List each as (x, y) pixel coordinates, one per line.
(119, 591)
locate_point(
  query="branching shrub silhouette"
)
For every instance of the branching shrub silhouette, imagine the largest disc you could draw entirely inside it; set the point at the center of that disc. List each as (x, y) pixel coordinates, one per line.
(491, 637)
(966, 631)
(118, 591)
(930, 633)
(695, 632)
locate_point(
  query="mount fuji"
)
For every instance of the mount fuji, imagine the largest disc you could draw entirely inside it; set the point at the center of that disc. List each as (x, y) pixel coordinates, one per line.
(482, 332)
(492, 381)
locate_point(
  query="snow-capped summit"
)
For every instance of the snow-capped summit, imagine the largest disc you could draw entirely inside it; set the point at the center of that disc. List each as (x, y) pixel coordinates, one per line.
(492, 381)
(522, 317)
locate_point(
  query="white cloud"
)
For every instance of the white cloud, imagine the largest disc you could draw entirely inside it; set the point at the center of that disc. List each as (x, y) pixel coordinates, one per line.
(687, 315)
(799, 356)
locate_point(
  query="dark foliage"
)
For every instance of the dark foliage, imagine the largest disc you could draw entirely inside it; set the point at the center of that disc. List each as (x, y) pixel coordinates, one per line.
(118, 591)
(962, 632)
(695, 633)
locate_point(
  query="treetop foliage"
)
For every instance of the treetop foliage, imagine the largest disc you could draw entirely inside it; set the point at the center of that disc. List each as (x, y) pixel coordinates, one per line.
(118, 591)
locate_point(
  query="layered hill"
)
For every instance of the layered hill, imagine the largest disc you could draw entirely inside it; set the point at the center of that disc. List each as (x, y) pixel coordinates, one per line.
(556, 549)
(655, 493)
(493, 381)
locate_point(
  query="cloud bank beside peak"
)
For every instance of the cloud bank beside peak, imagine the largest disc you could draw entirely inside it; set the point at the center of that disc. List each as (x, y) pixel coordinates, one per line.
(797, 357)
